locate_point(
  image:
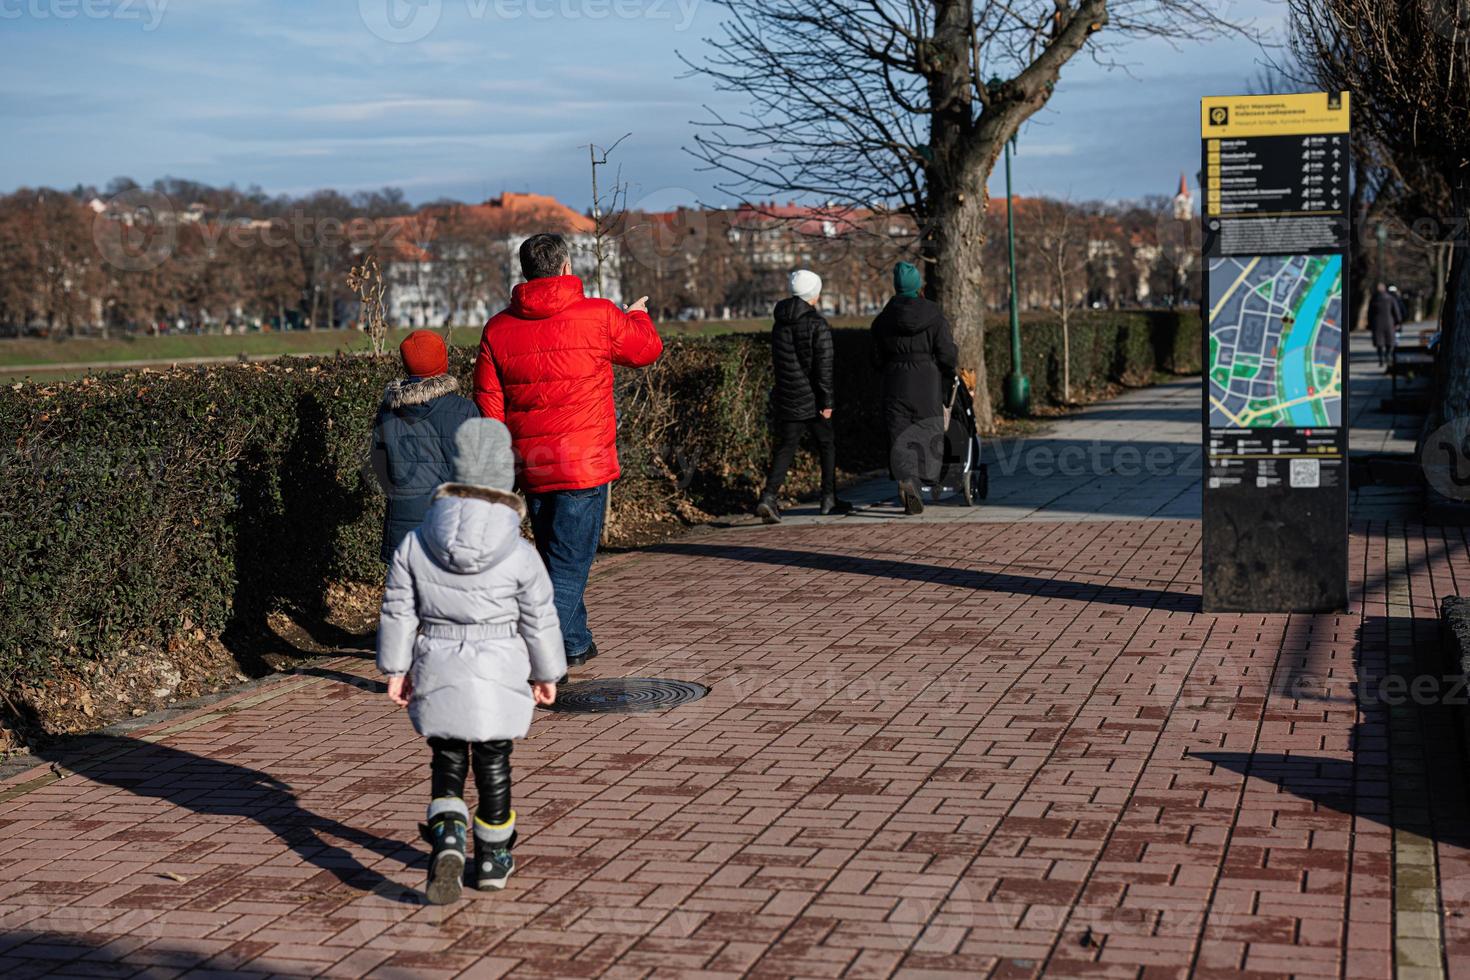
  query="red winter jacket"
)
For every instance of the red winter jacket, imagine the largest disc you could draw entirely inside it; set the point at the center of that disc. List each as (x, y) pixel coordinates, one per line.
(545, 370)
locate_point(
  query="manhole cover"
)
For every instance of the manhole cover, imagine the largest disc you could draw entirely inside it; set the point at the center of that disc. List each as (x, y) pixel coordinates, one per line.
(620, 695)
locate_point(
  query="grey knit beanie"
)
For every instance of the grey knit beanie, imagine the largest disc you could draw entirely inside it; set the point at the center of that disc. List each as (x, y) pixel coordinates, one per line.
(482, 455)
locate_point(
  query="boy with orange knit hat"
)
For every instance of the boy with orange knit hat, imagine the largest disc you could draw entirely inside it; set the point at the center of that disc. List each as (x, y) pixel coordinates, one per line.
(413, 435)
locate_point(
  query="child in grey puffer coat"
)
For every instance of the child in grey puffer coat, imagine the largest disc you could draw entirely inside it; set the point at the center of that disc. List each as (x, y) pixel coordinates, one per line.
(470, 643)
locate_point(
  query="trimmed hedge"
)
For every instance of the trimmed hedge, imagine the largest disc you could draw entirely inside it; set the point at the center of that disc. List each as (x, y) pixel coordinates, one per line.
(135, 507)
(1123, 347)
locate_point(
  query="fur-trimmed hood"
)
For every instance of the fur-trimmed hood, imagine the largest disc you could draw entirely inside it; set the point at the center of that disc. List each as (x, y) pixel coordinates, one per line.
(489, 494)
(404, 392)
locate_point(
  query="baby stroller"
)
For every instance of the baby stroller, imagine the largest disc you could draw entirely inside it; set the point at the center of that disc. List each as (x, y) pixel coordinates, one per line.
(962, 470)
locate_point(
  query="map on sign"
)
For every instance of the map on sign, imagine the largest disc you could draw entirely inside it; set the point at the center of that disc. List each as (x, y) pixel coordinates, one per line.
(1276, 341)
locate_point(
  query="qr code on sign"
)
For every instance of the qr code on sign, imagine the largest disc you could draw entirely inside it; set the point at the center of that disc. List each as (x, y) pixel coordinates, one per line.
(1306, 473)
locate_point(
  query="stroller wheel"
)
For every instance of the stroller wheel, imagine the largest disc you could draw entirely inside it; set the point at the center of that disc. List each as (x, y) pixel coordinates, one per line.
(967, 488)
(982, 481)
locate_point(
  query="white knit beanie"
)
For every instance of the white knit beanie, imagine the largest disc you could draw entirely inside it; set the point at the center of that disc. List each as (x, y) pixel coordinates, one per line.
(806, 284)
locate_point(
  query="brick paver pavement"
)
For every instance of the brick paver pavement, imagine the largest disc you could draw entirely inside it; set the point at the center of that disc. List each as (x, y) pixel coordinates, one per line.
(935, 747)
(929, 749)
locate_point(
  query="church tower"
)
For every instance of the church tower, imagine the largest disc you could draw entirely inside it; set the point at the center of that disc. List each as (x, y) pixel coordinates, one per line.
(1184, 201)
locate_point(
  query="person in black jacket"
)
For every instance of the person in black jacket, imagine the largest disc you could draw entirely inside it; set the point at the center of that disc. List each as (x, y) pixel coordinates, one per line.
(914, 349)
(1385, 315)
(413, 435)
(801, 400)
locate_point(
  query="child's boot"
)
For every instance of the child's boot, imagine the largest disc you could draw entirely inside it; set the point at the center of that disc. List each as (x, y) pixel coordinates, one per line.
(448, 822)
(493, 860)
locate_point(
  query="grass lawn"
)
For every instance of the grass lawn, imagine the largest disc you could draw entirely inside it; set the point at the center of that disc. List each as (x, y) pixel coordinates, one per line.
(38, 352)
(24, 356)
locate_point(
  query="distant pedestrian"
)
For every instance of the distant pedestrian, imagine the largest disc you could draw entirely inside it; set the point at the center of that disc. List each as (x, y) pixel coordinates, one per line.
(413, 435)
(1384, 316)
(546, 370)
(1398, 300)
(802, 396)
(470, 643)
(915, 352)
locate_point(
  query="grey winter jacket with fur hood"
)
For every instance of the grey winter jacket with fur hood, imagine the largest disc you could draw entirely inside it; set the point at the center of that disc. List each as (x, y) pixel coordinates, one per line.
(413, 446)
(468, 612)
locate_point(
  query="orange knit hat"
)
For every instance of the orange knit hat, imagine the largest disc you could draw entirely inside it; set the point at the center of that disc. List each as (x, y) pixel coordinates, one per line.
(424, 354)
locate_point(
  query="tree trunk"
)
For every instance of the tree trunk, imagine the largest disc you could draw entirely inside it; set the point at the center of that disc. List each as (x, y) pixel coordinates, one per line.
(1440, 255)
(952, 252)
(1066, 357)
(1064, 311)
(1452, 366)
(1360, 285)
(955, 196)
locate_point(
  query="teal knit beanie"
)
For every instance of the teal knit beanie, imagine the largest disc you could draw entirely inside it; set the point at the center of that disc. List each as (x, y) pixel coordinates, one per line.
(906, 280)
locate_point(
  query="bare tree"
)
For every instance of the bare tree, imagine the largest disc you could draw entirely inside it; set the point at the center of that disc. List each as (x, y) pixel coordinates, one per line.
(1055, 232)
(50, 262)
(1405, 63)
(608, 206)
(469, 255)
(906, 105)
(1374, 186)
(273, 276)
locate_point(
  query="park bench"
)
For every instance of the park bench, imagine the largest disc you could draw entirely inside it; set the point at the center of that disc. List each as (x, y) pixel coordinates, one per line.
(1411, 356)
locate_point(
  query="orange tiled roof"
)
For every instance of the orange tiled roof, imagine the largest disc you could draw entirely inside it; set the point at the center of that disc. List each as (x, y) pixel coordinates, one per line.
(509, 214)
(537, 207)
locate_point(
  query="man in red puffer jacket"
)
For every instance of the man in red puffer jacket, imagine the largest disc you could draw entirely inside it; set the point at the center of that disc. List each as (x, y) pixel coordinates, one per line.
(545, 370)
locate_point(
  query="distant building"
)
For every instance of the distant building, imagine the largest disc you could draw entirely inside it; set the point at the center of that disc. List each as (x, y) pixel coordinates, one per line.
(852, 248)
(459, 262)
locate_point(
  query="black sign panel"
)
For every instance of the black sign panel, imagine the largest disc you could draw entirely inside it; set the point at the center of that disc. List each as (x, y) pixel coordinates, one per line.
(1275, 423)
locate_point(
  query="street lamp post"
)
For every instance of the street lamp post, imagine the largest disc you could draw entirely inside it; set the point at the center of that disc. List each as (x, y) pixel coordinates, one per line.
(1382, 242)
(1018, 386)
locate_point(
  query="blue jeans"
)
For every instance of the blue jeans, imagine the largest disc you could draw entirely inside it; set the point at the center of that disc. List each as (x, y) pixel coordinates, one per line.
(567, 525)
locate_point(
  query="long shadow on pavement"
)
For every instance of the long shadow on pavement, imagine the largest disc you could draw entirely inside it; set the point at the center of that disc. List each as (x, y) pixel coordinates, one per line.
(36, 952)
(1407, 770)
(1337, 784)
(213, 788)
(1051, 588)
(343, 677)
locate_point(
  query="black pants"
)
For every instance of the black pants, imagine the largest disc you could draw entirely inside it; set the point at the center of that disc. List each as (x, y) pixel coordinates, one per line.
(788, 441)
(491, 761)
(915, 448)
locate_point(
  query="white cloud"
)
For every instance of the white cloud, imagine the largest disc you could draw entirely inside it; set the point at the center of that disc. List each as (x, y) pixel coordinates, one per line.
(348, 112)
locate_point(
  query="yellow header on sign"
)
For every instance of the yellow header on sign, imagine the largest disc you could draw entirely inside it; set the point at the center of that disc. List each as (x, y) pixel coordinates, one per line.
(1273, 115)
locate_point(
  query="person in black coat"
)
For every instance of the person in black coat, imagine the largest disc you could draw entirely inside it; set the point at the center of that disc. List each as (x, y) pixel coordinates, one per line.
(413, 435)
(914, 350)
(801, 400)
(1384, 316)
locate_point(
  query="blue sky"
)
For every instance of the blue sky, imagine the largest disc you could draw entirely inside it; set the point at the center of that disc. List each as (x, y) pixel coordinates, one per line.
(468, 98)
